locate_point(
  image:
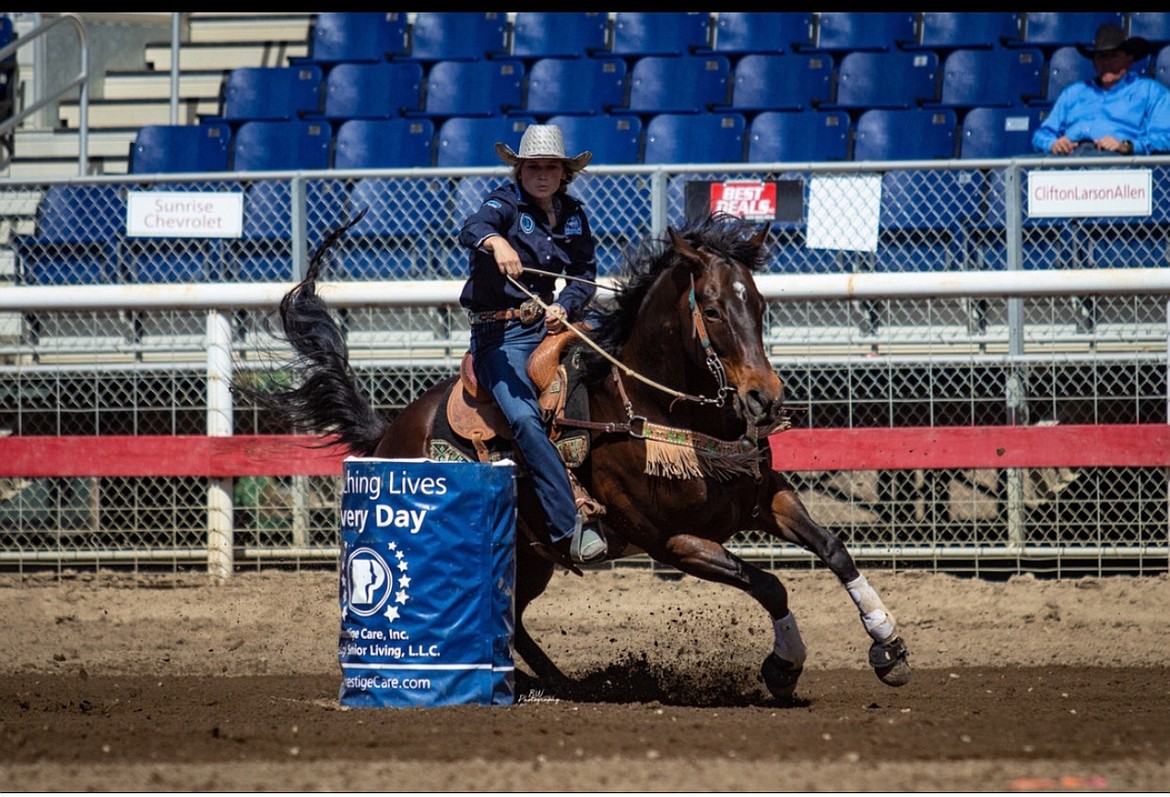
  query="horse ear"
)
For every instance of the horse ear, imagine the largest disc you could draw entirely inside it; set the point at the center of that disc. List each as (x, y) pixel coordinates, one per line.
(680, 245)
(759, 238)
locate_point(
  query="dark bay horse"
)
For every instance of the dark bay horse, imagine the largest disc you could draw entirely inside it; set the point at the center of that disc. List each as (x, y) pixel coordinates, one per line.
(681, 398)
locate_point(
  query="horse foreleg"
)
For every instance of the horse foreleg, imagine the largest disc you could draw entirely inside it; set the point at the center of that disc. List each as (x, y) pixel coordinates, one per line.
(710, 561)
(888, 653)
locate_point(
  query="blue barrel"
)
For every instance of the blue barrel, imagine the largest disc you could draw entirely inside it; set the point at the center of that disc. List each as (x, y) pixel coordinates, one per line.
(427, 574)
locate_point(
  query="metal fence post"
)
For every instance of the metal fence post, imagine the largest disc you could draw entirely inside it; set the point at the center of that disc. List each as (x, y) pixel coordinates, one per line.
(220, 506)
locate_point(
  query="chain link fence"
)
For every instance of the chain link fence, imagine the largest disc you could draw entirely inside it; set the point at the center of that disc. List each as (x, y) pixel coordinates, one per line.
(846, 362)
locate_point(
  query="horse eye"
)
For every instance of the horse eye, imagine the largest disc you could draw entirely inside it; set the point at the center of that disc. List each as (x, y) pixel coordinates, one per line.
(712, 313)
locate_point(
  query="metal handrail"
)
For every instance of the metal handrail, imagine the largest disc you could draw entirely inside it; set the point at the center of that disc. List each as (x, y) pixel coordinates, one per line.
(81, 80)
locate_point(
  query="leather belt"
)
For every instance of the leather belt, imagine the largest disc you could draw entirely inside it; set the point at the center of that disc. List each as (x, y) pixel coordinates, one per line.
(528, 312)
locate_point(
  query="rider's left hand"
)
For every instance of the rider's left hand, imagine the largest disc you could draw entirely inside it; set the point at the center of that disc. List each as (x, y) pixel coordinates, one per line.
(555, 318)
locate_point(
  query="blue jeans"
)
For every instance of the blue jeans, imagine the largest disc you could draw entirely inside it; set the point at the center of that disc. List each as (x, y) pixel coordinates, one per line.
(500, 353)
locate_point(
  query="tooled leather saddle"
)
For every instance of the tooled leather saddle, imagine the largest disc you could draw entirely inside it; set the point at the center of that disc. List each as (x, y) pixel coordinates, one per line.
(472, 427)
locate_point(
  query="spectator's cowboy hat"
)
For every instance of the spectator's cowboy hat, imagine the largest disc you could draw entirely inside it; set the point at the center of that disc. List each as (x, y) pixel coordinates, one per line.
(543, 141)
(1110, 38)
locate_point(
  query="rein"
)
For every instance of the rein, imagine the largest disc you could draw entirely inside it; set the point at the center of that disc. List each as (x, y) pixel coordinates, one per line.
(714, 364)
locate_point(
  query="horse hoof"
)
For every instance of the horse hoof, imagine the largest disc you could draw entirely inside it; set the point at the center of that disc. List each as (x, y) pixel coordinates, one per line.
(889, 661)
(780, 676)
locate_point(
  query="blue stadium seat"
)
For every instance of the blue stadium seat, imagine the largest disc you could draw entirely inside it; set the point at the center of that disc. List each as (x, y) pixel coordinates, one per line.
(678, 84)
(355, 37)
(1046, 243)
(1160, 69)
(384, 144)
(925, 216)
(999, 77)
(1131, 241)
(695, 138)
(799, 136)
(372, 91)
(849, 31)
(952, 30)
(389, 242)
(271, 92)
(559, 34)
(641, 33)
(79, 229)
(998, 132)
(181, 148)
(281, 145)
(473, 88)
(589, 85)
(467, 197)
(1066, 65)
(616, 225)
(788, 82)
(1051, 29)
(742, 32)
(264, 250)
(8, 73)
(465, 141)
(458, 35)
(1153, 26)
(886, 80)
(904, 134)
(612, 138)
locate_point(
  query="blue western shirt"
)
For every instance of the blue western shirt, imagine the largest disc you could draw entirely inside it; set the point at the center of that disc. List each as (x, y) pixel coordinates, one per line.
(566, 248)
(1137, 109)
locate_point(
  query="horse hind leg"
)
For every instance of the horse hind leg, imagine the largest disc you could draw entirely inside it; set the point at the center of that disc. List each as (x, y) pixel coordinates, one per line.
(533, 574)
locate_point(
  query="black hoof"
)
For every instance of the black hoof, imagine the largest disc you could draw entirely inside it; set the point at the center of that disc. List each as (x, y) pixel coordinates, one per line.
(889, 661)
(780, 676)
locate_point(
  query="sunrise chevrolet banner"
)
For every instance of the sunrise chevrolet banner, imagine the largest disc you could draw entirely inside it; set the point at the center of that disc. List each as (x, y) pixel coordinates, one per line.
(185, 214)
(1094, 192)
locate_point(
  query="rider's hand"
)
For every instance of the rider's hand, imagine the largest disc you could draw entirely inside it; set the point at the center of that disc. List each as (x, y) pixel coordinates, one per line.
(555, 318)
(507, 261)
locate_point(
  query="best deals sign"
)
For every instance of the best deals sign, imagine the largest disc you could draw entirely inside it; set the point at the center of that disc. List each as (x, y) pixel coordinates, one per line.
(754, 200)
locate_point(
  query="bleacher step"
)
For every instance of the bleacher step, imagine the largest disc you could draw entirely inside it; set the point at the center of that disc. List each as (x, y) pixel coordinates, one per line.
(152, 85)
(53, 153)
(204, 56)
(249, 27)
(136, 113)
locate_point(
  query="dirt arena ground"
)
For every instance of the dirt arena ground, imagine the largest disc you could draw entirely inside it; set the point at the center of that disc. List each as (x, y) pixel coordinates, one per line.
(173, 683)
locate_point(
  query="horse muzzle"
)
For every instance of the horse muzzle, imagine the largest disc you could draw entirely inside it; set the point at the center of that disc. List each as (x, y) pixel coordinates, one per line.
(763, 407)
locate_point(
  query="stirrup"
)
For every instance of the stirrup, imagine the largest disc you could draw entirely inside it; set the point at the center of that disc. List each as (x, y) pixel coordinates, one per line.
(588, 545)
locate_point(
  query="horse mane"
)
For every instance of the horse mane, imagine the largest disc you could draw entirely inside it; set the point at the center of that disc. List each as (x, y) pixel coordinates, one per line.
(613, 320)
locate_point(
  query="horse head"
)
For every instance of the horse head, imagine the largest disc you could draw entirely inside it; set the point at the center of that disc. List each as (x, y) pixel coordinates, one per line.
(724, 317)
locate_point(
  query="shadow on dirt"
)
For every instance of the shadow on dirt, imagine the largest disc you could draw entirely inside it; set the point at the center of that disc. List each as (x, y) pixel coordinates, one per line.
(635, 680)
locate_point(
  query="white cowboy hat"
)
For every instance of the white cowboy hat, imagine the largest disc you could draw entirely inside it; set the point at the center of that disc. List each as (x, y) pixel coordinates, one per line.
(543, 141)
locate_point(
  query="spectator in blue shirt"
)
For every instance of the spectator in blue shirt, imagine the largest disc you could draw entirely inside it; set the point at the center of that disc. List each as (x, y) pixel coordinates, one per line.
(525, 234)
(1120, 112)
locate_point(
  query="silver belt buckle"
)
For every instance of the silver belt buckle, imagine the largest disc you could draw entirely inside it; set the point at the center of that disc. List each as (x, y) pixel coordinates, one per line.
(530, 311)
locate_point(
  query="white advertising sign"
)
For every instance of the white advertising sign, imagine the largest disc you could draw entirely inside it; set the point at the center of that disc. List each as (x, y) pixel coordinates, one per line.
(843, 212)
(185, 214)
(1101, 192)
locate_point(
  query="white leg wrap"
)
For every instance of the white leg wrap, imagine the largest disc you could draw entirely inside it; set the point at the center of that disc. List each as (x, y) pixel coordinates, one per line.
(878, 621)
(789, 646)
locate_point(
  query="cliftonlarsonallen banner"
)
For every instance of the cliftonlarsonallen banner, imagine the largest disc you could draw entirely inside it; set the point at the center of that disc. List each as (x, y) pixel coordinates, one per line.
(427, 575)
